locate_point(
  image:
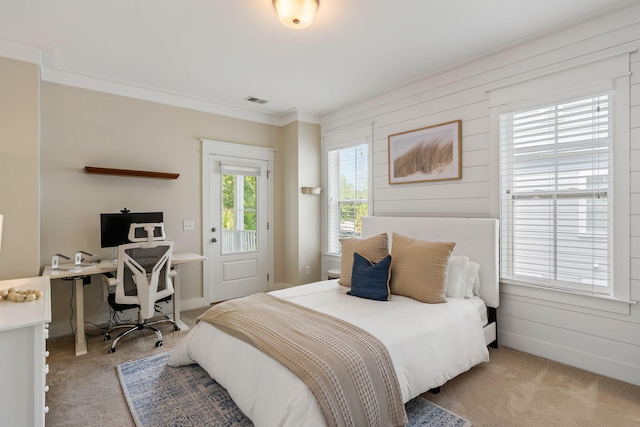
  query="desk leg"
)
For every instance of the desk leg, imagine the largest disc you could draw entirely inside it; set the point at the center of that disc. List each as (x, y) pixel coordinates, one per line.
(176, 301)
(81, 343)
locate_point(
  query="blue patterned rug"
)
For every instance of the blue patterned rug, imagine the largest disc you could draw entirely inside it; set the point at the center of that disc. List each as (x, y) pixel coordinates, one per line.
(159, 395)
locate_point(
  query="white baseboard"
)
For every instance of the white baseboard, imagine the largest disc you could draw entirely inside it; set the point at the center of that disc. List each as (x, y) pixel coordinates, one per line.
(58, 329)
(192, 304)
(280, 285)
(588, 362)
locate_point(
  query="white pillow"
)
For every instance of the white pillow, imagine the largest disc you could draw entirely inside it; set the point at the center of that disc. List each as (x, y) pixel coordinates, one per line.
(472, 280)
(457, 276)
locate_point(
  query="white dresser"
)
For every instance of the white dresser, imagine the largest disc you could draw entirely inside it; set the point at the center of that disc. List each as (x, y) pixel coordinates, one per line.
(23, 369)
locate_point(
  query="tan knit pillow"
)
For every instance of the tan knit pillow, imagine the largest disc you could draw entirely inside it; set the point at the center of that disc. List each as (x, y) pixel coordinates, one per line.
(374, 249)
(419, 268)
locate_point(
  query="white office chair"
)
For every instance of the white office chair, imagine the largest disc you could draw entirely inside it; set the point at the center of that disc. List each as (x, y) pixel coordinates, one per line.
(143, 278)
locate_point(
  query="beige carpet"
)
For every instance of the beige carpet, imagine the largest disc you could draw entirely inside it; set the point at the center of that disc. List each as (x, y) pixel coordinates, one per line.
(514, 389)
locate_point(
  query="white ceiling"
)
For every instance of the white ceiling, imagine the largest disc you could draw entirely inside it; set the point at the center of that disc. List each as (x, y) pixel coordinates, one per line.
(218, 52)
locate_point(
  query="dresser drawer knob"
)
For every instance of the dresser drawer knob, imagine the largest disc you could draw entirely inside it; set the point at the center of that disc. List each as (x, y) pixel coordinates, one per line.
(46, 409)
(46, 368)
(46, 389)
(46, 353)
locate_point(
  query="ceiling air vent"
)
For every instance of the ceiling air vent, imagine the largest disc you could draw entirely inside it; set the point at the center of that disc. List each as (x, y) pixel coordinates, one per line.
(256, 100)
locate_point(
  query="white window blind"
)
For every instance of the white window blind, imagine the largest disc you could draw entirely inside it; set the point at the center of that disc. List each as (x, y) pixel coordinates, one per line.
(347, 193)
(556, 195)
(236, 169)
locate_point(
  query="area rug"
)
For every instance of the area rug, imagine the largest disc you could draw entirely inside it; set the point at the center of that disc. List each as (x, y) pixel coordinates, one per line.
(160, 395)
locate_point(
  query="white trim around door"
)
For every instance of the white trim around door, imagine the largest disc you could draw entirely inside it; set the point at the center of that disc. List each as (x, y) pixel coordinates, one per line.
(240, 151)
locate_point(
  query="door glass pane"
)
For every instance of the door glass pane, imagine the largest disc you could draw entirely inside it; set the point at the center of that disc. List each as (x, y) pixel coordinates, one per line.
(239, 213)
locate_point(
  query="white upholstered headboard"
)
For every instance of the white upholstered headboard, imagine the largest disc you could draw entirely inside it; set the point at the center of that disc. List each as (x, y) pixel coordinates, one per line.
(476, 238)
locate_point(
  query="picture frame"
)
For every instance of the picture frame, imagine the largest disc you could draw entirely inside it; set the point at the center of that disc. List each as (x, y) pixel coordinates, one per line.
(432, 153)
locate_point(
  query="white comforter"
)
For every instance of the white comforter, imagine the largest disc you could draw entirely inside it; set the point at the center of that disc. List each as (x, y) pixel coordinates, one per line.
(429, 344)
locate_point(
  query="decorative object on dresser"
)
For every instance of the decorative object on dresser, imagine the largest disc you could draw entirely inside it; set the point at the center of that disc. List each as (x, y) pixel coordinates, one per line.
(23, 334)
(432, 153)
(20, 295)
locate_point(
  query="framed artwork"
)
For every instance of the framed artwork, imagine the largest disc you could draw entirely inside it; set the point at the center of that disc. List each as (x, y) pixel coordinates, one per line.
(433, 153)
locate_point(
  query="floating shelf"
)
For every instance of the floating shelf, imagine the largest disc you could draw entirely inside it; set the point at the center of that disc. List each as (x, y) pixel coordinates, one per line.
(311, 190)
(130, 172)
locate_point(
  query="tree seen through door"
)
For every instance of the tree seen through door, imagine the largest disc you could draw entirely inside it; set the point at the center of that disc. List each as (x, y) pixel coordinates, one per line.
(239, 213)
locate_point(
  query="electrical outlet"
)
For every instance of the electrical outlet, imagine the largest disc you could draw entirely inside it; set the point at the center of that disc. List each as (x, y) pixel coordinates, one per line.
(307, 270)
(188, 225)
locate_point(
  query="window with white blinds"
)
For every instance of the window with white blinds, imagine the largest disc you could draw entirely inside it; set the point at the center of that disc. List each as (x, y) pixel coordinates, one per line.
(556, 195)
(347, 170)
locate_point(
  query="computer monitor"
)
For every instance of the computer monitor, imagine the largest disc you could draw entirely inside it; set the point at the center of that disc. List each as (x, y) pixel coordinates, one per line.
(114, 227)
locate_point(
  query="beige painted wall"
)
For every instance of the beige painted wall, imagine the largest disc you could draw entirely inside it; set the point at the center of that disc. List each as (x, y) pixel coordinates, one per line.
(82, 127)
(310, 208)
(19, 191)
(288, 158)
(51, 206)
(301, 212)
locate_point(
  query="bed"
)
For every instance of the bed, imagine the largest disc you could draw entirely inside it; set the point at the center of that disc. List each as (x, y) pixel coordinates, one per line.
(428, 343)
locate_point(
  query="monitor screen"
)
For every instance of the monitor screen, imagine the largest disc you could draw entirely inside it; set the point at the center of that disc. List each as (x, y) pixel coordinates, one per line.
(114, 227)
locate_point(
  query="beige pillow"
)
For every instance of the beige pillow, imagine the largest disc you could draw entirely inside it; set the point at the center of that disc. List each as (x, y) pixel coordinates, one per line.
(374, 249)
(419, 268)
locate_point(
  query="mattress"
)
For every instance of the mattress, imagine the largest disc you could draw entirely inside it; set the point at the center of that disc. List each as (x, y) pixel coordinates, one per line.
(428, 343)
(479, 304)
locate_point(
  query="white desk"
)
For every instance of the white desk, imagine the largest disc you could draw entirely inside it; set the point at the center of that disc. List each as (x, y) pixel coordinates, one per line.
(70, 271)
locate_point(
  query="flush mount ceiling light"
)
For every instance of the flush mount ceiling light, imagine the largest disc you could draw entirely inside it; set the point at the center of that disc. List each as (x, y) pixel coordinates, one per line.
(296, 14)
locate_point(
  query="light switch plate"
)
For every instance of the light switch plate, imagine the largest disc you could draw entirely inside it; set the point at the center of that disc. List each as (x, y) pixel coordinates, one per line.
(188, 225)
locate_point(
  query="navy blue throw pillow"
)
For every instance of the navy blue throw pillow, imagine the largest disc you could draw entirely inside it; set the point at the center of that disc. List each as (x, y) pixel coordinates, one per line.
(369, 280)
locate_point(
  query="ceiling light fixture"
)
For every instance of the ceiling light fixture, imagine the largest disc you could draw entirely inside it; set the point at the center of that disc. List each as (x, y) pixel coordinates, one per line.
(296, 14)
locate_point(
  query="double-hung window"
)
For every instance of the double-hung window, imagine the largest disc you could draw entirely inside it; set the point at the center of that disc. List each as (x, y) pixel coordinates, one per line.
(347, 193)
(556, 195)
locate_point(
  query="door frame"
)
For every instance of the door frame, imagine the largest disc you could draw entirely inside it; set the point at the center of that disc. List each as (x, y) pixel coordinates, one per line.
(241, 151)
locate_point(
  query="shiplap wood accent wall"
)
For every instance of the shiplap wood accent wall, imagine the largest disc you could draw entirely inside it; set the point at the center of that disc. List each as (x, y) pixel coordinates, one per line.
(599, 341)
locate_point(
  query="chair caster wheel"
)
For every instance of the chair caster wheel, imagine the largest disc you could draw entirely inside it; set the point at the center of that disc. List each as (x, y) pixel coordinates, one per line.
(112, 350)
(159, 344)
(107, 337)
(176, 327)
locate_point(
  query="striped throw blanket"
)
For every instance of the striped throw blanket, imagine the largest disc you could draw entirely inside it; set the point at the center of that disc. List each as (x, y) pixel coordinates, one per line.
(348, 370)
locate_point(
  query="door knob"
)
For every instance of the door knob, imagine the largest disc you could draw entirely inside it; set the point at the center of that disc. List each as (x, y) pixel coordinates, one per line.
(214, 240)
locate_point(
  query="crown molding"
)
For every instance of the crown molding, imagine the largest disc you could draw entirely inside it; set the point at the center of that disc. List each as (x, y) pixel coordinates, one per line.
(299, 116)
(115, 87)
(20, 51)
(42, 56)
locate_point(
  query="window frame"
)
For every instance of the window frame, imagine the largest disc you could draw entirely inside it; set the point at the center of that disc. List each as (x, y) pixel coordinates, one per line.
(574, 78)
(556, 195)
(326, 148)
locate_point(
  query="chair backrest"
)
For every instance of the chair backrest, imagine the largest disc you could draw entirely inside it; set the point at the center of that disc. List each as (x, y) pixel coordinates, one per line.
(144, 269)
(147, 232)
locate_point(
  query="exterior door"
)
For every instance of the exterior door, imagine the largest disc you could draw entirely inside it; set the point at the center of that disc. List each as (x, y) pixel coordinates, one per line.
(237, 236)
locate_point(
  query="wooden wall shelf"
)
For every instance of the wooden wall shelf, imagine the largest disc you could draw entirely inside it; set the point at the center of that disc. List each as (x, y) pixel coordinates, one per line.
(130, 172)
